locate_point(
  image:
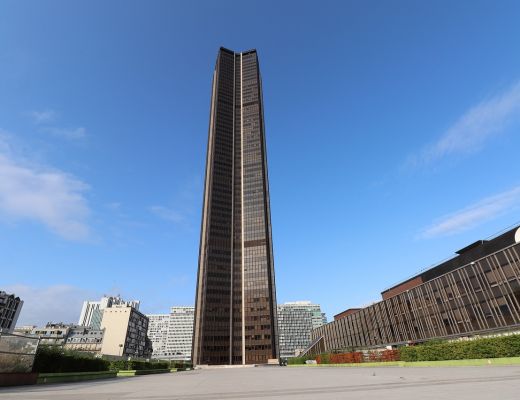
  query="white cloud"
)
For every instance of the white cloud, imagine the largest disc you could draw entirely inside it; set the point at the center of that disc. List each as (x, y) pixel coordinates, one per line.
(474, 127)
(42, 117)
(467, 218)
(167, 213)
(40, 193)
(68, 133)
(56, 303)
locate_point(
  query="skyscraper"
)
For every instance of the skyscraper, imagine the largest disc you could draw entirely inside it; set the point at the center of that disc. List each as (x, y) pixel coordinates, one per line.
(235, 313)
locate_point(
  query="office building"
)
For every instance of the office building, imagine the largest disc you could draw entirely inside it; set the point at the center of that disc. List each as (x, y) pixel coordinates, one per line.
(125, 332)
(10, 307)
(158, 325)
(476, 292)
(172, 334)
(235, 312)
(92, 311)
(180, 333)
(296, 320)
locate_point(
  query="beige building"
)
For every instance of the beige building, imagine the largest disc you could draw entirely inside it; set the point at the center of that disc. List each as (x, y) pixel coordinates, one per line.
(125, 332)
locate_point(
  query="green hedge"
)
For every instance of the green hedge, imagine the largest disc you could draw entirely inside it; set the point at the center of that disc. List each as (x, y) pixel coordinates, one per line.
(137, 365)
(181, 364)
(502, 346)
(298, 360)
(323, 358)
(50, 359)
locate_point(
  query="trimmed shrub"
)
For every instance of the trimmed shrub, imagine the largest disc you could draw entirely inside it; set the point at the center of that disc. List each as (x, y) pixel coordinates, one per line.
(51, 359)
(390, 355)
(408, 353)
(297, 360)
(347, 358)
(181, 365)
(323, 358)
(383, 356)
(357, 357)
(501, 346)
(122, 365)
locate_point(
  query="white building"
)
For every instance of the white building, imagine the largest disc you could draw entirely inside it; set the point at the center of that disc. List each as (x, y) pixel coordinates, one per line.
(296, 320)
(92, 311)
(180, 333)
(172, 334)
(158, 333)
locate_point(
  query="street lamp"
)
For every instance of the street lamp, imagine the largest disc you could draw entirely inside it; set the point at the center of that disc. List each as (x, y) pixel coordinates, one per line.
(120, 349)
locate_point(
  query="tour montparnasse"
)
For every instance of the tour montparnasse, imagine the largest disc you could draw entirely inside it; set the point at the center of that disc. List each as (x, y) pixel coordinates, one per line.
(235, 310)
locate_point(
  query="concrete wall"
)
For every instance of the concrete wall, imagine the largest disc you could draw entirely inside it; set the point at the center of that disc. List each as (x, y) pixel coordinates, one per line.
(115, 322)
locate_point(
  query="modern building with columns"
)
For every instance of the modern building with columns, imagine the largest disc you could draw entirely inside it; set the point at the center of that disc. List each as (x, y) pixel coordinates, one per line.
(477, 292)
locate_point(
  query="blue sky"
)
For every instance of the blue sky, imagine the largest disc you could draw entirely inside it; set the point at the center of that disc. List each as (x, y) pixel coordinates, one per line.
(392, 132)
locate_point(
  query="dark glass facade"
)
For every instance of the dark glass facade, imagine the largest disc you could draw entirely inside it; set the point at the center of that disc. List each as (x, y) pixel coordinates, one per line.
(480, 296)
(235, 310)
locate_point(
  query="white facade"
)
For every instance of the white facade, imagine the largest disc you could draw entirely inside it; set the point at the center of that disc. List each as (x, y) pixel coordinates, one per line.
(296, 320)
(172, 334)
(158, 334)
(92, 311)
(180, 333)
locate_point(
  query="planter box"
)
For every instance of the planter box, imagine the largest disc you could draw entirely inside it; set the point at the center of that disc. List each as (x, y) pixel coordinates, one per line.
(74, 376)
(18, 378)
(134, 372)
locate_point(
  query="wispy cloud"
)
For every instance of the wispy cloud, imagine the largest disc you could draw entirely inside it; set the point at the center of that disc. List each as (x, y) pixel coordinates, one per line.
(44, 194)
(46, 117)
(473, 128)
(42, 117)
(56, 303)
(68, 133)
(167, 213)
(469, 217)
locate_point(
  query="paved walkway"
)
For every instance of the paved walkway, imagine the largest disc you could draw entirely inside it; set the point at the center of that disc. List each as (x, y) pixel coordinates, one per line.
(292, 383)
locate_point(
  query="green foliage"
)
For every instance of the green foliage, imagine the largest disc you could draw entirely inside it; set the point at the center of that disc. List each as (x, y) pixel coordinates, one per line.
(297, 360)
(137, 365)
(323, 358)
(119, 365)
(51, 359)
(502, 346)
(181, 365)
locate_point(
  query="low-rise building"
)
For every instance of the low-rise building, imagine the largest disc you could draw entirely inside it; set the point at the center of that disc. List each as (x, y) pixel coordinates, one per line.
(54, 334)
(68, 336)
(24, 329)
(477, 292)
(83, 338)
(10, 307)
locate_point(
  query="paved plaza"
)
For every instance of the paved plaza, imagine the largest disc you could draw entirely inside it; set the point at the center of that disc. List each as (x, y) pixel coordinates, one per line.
(292, 383)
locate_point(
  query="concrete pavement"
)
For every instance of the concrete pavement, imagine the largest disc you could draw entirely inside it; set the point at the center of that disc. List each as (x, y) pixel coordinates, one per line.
(365, 383)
